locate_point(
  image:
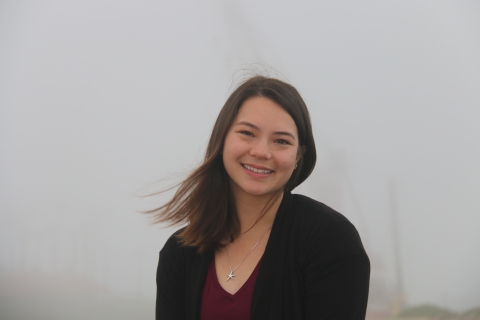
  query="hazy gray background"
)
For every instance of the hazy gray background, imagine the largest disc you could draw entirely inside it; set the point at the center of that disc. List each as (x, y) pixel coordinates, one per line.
(100, 99)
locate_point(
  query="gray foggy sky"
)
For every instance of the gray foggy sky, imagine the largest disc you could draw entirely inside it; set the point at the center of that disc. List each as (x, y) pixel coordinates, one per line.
(99, 99)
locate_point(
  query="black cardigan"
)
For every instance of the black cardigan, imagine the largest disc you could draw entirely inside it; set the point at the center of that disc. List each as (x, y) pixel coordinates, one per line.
(314, 267)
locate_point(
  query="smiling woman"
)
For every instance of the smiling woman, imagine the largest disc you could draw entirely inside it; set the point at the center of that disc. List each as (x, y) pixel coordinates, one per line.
(251, 249)
(261, 150)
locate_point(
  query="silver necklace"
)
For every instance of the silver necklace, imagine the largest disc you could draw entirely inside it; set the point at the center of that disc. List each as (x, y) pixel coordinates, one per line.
(231, 275)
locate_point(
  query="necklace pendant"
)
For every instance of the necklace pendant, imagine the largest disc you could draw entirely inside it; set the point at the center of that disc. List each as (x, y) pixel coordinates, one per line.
(230, 276)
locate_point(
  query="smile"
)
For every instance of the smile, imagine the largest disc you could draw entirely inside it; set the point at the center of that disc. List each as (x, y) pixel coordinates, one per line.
(256, 170)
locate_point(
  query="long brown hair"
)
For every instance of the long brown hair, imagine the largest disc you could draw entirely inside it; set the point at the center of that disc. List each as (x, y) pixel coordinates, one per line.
(204, 199)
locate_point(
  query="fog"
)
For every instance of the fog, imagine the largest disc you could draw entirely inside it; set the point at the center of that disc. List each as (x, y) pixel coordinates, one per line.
(100, 100)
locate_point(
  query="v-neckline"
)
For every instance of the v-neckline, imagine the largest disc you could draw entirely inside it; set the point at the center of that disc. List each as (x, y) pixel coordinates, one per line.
(238, 293)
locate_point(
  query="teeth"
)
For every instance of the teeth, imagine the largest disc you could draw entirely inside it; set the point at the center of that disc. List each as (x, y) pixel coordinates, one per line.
(256, 170)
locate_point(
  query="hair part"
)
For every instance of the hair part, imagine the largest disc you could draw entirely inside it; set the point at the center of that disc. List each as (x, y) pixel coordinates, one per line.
(211, 227)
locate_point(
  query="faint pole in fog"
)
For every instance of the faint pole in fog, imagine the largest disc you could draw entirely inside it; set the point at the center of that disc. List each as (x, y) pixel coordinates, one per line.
(105, 263)
(22, 256)
(74, 256)
(400, 294)
(54, 248)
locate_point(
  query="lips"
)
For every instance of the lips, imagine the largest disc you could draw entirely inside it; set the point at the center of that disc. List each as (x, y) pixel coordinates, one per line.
(256, 170)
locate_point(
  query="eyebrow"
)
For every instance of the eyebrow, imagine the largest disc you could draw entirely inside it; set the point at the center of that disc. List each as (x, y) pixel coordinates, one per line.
(251, 125)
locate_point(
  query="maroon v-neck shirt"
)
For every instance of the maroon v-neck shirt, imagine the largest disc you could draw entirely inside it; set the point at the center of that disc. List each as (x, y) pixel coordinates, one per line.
(219, 304)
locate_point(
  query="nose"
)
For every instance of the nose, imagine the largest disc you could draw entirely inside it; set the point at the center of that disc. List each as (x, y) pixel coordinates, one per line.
(260, 149)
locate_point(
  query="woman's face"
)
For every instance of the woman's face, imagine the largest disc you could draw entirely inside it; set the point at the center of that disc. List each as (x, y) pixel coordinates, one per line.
(261, 148)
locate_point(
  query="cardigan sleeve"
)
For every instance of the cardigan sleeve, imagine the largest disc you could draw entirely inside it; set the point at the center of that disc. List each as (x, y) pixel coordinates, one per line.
(337, 272)
(170, 303)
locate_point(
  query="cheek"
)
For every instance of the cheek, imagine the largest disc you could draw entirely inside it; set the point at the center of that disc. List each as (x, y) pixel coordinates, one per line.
(289, 161)
(228, 151)
(227, 146)
(232, 151)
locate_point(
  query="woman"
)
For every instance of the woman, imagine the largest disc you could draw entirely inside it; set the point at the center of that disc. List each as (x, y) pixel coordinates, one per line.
(251, 249)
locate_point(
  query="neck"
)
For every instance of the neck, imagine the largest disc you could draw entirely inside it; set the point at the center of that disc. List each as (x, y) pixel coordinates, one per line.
(257, 212)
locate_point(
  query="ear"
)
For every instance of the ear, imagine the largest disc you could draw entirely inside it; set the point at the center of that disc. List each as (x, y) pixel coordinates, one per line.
(301, 152)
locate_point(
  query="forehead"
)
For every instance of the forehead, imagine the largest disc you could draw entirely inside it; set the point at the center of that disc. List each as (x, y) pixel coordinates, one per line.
(265, 113)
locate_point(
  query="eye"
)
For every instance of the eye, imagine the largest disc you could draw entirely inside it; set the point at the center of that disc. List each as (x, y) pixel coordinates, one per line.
(282, 141)
(247, 133)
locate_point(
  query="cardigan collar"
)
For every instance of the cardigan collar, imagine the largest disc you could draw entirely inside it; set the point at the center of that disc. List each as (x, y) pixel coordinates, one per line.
(273, 263)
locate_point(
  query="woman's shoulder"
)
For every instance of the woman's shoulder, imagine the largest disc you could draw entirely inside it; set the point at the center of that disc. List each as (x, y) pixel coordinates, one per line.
(323, 229)
(173, 246)
(315, 213)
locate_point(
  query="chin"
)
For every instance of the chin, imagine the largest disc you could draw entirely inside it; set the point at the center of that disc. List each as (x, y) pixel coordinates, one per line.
(256, 189)
(259, 193)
